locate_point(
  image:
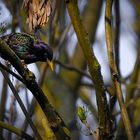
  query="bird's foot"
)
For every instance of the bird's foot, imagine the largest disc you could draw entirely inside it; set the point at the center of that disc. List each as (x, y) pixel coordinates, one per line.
(7, 63)
(23, 63)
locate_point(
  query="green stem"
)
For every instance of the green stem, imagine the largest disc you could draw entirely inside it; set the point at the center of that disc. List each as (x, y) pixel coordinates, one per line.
(16, 131)
(117, 34)
(113, 69)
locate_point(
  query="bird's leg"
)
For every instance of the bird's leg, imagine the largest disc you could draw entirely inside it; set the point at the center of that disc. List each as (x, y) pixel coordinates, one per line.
(23, 63)
(7, 63)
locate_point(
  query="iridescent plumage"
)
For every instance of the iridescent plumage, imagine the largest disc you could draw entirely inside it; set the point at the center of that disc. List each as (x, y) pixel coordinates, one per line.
(27, 48)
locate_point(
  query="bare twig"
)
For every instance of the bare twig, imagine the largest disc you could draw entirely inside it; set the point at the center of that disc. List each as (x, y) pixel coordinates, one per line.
(3, 102)
(11, 72)
(21, 104)
(62, 39)
(69, 67)
(113, 69)
(130, 103)
(117, 34)
(134, 76)
(16, 131)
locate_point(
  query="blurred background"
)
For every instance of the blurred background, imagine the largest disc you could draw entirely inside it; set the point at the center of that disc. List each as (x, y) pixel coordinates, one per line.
(70, 85)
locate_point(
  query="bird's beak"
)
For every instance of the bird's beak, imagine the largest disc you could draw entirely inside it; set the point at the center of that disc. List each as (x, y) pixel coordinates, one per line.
(50, 63)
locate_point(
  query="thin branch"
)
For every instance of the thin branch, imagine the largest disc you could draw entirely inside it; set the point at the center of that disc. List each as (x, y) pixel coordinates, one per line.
(3, 102)
(113, 69)
(131, 103)
(12, 112)
(113, 98)
(71, 68)
(87, 85)
(16, 131)
(21, 104)
(11, 72)
(117, 34)
(134, 76)
(61, 41)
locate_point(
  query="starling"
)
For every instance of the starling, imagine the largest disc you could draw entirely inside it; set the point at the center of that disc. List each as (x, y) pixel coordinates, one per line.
(29, 49)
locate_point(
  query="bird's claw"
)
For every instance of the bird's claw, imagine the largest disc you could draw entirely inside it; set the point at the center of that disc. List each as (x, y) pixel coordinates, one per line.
(23, 63)
(7, 63)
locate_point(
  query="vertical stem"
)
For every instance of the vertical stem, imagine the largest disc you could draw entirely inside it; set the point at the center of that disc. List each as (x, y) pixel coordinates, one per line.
(113, 69)
(117, 34)
(3, 104)
(21, 104)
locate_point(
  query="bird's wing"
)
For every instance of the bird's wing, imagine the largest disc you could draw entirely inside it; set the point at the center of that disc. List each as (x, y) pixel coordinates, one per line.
(18, 39)
(21, 43)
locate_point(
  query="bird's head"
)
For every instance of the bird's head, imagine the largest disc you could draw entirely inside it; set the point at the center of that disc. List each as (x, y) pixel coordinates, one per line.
(45, 52)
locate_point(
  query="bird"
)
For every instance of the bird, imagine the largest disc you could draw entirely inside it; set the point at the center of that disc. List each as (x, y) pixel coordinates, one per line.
(28, 48)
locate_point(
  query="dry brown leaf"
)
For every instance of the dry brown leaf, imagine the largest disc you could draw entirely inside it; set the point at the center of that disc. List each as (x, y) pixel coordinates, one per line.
(38, 11)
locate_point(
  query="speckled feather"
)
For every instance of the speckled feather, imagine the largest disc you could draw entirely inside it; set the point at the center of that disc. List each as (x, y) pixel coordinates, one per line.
(28, 48)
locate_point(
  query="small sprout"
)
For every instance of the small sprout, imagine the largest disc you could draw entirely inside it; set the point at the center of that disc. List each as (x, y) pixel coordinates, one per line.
(82, 114)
